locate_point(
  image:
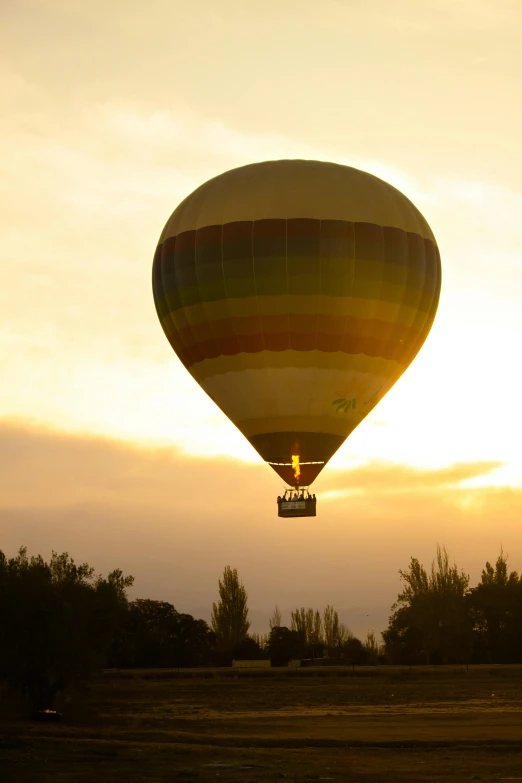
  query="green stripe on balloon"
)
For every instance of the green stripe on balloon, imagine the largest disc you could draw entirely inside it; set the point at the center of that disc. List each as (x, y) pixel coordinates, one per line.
(209, 266)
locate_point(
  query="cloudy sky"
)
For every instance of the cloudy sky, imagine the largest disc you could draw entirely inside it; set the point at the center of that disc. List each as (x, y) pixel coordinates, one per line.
(111, 114)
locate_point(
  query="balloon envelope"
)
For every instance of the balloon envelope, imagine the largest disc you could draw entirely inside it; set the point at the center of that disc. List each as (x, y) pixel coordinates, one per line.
(296, 293)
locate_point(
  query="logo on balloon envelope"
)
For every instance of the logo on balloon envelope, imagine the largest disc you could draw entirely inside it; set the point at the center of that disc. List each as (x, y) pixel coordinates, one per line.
(374, 399)
(344, 404)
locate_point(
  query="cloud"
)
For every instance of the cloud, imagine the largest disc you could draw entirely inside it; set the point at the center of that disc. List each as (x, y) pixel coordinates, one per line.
(44, 468)
(391, 479)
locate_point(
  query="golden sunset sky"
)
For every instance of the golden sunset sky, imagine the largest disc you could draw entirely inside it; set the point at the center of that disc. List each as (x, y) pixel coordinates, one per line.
(111, 114)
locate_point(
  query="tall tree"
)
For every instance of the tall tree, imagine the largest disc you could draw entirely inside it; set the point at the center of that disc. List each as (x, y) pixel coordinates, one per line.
(260, 639)
(331, 626)
(230, 615)
(432, 610)
(496, 608)
(275, 620)
(315, 629)
(298, 622)
(335, 632)
(372, 647)
(308, 624)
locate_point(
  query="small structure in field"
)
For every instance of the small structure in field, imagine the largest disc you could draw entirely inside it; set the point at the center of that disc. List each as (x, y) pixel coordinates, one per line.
(250, 664)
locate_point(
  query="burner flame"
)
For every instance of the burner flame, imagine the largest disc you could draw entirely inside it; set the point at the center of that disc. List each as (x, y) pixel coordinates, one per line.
(295, 467)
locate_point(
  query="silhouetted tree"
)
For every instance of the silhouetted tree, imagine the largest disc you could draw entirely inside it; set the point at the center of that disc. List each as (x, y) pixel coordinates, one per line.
(308, 623)
(275, 620)
(284, 645)
(57, 622)
(354, 652)
(496, 610)
(152, 628)
(434, 605)
(230, 615)
(331, 626)
(372, 648)
(194, 641)
(261, 639)
(162, 637)
(335, 632)
(248, 650)
(404, 641)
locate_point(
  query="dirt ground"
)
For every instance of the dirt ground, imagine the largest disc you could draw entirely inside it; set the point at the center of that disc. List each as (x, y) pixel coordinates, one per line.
(383, 724)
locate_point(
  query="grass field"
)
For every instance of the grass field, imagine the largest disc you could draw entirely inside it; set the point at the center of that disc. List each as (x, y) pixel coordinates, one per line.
(383, 724)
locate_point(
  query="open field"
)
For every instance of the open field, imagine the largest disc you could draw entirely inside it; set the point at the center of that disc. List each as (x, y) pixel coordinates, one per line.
(384, 724)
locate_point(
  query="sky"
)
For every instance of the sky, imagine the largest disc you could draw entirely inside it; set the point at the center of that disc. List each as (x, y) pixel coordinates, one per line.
(111, 114)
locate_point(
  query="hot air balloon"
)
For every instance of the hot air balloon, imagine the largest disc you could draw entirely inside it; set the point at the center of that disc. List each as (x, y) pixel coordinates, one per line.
(296, 293)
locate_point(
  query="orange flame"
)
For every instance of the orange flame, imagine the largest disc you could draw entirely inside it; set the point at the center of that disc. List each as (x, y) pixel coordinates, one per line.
(295, 466)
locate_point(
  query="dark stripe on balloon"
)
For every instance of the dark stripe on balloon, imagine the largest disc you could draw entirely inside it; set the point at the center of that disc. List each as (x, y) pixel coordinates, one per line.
(238, 272)
(360, 336)
(256, 255)
(210, 273)
(175, 323)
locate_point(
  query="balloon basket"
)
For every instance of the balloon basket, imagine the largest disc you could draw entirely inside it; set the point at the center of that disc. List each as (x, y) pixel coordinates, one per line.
(297, 502)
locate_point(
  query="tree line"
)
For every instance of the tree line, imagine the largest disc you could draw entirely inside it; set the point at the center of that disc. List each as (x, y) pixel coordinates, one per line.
(439, 618)
(60, 622)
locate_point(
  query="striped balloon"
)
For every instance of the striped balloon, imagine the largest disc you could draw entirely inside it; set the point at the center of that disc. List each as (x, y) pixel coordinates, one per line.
(296, 293)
